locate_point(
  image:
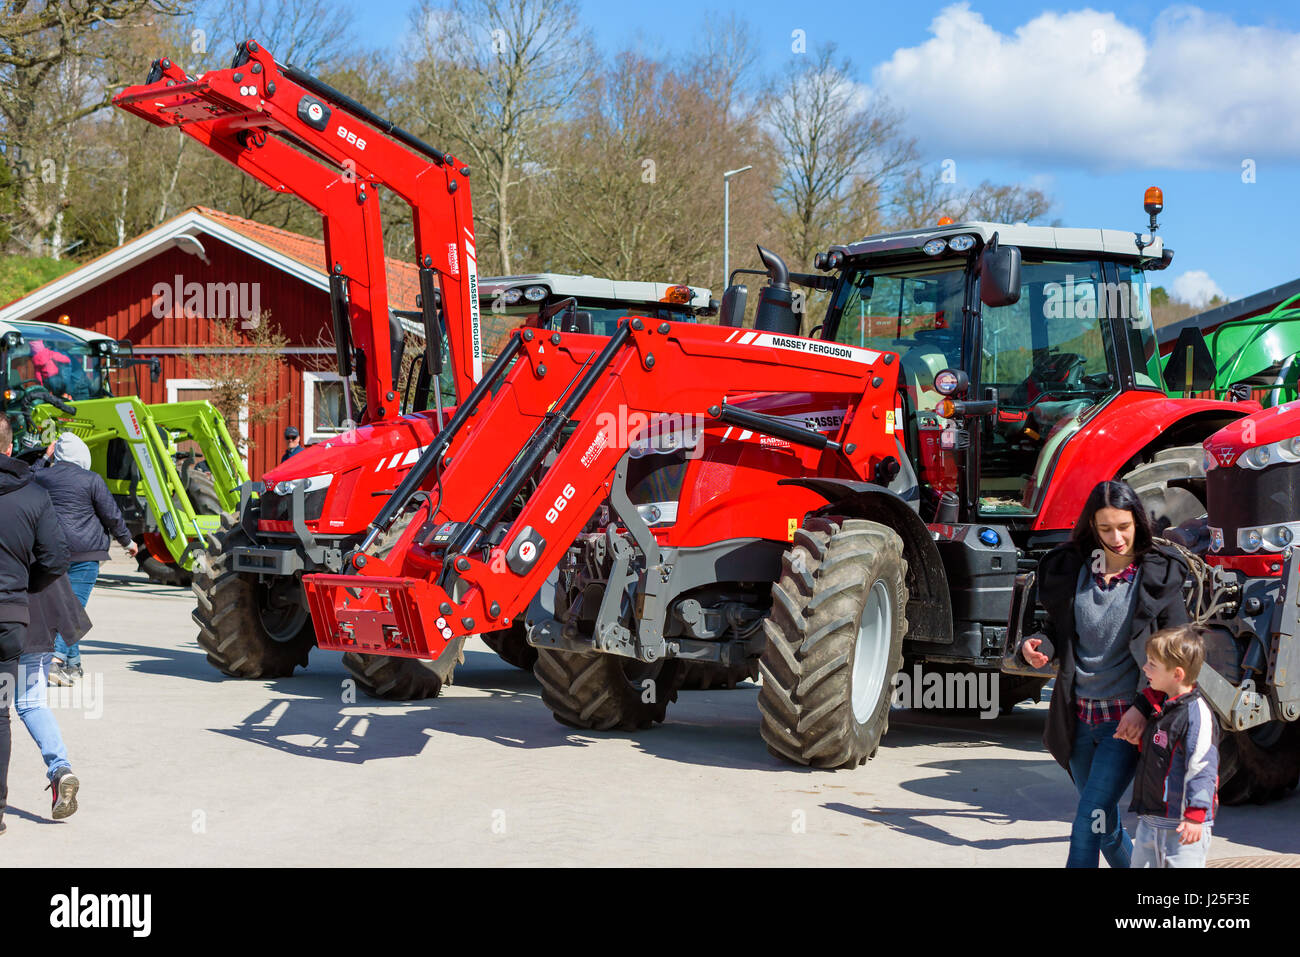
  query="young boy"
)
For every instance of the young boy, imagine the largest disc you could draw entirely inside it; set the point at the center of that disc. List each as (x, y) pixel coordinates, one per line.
(1175, 790)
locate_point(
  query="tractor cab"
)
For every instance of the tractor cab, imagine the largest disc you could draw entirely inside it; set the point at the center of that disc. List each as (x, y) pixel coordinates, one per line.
(1010, 338)
(69, 363)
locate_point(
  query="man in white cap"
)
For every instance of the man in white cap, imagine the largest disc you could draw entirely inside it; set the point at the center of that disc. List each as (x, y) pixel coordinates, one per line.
(88, 515)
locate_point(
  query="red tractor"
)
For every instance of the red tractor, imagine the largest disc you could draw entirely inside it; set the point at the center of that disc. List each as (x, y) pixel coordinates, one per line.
(1253, 602)
(828, 505)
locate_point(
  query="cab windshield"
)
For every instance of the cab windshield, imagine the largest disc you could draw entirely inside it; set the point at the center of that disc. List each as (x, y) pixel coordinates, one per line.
(915, 312)
(63, 365)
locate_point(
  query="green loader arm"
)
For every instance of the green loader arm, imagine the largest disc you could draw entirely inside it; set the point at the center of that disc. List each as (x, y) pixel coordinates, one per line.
(149, 433)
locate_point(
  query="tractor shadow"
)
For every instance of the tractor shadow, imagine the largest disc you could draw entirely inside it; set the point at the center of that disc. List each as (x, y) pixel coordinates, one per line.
(491, 701)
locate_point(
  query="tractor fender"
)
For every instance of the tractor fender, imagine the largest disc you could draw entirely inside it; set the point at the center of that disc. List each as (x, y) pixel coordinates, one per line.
(1129, 426)
(929, 607)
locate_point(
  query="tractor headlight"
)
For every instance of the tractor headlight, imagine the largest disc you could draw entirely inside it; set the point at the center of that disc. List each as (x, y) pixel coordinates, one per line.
(1278, 537)
(1257, 458)
(1251, 539)
(535, 293)
(512, 296)
(1216, 539)
(934, 247)
(959, 244)
(1208, 461)
(1262, 456)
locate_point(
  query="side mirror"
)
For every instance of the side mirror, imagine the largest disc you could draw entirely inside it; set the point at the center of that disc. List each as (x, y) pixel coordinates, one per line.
(999, 274)
(577, 321)
(731, 312)
(155, 370)
(1190, 367)
(566, 309)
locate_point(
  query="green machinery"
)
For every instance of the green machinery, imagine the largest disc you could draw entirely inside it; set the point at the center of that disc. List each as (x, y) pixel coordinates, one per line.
(173, 468)
(1261, 353)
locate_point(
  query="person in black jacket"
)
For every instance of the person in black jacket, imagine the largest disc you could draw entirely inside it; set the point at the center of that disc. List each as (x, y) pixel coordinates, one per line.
(32, 554)
(88, 516)
(1106, 590)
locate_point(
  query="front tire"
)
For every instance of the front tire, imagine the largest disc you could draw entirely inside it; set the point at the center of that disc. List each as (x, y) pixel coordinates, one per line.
(247, 629)
(602, 692)
(405, 679)
(1259, 765)
(511, 645)
(834, 643)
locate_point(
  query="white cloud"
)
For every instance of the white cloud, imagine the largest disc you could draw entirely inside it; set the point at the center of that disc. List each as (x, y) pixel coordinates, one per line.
(1086, 89)
(1196, 288)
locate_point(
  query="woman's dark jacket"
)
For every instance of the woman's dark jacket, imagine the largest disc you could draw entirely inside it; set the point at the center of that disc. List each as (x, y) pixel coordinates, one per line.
(1159, 604)
(85, 508)
(54, 609)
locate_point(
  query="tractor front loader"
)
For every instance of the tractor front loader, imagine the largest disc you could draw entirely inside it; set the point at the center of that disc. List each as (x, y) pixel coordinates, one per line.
(620, 606)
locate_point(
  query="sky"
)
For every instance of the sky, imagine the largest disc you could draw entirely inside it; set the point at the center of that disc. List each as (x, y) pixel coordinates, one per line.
(1090, 103)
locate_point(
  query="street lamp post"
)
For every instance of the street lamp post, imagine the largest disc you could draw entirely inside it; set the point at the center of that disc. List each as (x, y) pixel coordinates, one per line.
(726, 221)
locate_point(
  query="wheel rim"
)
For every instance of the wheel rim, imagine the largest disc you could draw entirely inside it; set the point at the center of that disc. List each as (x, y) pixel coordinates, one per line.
(871, 653)
(281, 613)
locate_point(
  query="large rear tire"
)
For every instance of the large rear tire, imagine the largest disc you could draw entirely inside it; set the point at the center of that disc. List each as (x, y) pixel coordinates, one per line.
(1259, 765)
(511, 645)
(834, 643)
(247, 629)
(602, 692)
(1171, 505)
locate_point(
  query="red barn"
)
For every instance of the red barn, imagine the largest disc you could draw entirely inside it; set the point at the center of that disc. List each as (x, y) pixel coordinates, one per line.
(224, 267)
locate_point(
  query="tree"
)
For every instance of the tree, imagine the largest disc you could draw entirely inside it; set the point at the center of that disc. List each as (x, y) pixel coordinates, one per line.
(55, 70)
(491, 76)
(633, 186)
(244, 369)
(842, 154)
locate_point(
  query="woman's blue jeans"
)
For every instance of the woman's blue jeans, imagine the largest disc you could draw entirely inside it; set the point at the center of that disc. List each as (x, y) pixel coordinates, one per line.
(1102, 766)
(82, 577)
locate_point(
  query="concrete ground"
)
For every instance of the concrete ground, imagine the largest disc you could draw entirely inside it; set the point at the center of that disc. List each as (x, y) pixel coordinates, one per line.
(181, 766)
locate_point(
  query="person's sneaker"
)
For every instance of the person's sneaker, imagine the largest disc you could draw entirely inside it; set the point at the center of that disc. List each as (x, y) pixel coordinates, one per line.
(74, 671)
(60, 677)
(65, 795)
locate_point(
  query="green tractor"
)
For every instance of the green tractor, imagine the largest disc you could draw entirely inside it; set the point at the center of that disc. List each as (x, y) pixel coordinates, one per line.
(173, 468)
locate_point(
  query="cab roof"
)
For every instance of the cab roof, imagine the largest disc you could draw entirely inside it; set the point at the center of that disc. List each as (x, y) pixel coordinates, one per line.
(590, 287)
(51, 330)
(1111, 242)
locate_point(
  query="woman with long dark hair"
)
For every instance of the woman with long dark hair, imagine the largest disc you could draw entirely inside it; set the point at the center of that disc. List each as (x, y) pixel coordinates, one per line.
(1106, 590)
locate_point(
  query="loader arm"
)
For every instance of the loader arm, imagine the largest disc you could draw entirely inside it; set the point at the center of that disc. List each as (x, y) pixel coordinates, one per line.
(461, 567)
(297, 135)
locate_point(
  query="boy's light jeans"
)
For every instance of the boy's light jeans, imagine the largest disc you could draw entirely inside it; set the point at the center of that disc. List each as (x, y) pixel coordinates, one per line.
(1159, 846)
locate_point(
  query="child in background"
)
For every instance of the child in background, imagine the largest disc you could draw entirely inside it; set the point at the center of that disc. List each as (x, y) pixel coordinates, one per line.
(1175, 790)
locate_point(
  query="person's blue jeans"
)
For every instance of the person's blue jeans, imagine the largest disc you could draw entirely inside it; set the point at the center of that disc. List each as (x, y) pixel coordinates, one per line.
(1102, 767)
(82, 577)
(32, 706)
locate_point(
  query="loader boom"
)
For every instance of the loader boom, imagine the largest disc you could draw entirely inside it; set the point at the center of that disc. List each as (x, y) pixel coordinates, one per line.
(297, 135)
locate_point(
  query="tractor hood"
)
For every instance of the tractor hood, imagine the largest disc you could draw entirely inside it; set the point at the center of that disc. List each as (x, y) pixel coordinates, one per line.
(345, 479)
(1277, 429)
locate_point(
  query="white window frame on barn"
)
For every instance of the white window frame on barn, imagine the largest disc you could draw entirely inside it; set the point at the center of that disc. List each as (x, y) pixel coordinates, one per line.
(309, 382)
(174, 387)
